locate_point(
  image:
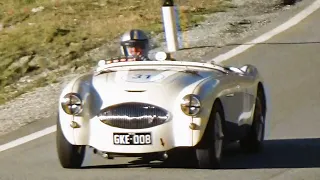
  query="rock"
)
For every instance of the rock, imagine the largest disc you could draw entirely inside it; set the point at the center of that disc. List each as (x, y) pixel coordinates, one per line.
(184, 9)
(81, 69)
(75, 44)
(130, 8)
(244, 21)
(25, 79)
(289, 2)
(21, 62)
(38, 9)
(38, 62)
(61, 32)
(73, 69)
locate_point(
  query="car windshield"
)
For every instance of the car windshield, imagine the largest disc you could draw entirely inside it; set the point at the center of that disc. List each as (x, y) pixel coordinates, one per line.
(186, 69)
(164, 66)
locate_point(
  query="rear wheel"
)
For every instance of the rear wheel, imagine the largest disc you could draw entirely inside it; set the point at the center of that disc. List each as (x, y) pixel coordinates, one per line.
(209, 151)
(70, 156)
(253, 142)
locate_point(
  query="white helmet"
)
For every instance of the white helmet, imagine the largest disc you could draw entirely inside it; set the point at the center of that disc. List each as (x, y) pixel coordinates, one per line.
(135, 38)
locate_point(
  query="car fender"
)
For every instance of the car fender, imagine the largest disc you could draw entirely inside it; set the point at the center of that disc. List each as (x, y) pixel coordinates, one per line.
(208, 91)
(80, 134)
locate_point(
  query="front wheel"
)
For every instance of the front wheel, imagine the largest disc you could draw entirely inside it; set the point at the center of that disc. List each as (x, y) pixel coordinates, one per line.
(70, 156)
(209, 151)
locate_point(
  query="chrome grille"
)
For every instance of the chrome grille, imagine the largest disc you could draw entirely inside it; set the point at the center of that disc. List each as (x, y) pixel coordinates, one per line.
(133, 116)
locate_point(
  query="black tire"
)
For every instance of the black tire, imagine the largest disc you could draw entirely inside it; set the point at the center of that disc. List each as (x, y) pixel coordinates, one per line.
(253, 142)
(209, 150)
(70, 156)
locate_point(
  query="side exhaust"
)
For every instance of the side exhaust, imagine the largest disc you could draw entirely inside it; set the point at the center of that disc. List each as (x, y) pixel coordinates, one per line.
(165, 156)
(103, 154)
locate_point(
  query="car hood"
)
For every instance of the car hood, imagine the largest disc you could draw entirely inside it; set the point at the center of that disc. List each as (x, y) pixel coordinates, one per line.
(149, 86)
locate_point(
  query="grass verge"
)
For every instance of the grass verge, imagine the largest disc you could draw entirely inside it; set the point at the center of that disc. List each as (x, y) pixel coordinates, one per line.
(43, 35)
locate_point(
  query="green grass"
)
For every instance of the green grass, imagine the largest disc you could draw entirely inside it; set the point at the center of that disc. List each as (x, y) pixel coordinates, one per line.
(65, 29)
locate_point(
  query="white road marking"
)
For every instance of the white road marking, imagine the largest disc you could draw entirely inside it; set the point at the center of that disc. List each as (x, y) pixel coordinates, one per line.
(293, 21)
(28, 138)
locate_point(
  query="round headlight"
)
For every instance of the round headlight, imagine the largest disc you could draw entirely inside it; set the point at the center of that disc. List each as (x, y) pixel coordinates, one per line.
(72, 104)
(190, 105)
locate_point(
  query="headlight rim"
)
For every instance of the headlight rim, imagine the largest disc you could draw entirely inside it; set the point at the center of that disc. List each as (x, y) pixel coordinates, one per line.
(66, 106)
(189, 106)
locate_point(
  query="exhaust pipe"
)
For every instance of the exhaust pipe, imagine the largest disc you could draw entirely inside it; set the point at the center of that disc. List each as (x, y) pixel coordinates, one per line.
(103, 154)
(165, 156)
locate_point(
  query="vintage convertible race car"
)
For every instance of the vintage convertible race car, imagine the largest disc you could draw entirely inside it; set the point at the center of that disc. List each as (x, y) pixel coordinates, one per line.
(139, 108)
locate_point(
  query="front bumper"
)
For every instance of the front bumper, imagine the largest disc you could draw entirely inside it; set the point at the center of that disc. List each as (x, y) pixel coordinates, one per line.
(172, 134)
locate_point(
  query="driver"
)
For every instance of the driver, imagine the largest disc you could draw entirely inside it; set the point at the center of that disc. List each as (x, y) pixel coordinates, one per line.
(135, 43)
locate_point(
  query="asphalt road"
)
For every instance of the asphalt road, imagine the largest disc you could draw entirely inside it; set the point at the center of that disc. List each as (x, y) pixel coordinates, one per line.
(290, 65)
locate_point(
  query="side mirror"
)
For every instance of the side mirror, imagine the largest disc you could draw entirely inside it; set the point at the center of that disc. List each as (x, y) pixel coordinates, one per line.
(249, 69)
(244, 68)
(234, 69)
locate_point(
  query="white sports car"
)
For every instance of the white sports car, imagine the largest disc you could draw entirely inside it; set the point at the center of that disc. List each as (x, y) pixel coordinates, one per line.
(141, 108)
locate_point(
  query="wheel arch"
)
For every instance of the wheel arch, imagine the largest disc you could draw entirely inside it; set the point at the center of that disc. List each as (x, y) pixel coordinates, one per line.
(205, 134)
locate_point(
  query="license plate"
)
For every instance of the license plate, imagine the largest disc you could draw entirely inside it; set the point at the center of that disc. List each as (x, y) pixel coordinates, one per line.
(132, 138)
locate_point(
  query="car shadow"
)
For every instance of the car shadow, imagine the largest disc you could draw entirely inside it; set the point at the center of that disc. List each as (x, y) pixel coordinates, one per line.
(281, 153)
(284, 153)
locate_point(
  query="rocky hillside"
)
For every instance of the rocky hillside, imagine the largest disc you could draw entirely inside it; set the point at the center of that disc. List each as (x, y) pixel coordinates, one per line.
(42, 40)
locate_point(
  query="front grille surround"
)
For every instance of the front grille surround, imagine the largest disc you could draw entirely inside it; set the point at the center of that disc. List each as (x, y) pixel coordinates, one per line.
(134, 115)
